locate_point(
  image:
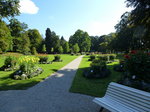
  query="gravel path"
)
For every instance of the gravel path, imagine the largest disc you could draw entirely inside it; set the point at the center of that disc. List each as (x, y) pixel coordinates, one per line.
(51, 95)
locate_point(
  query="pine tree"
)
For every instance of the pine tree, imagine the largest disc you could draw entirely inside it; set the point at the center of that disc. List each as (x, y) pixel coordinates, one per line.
(48, 40)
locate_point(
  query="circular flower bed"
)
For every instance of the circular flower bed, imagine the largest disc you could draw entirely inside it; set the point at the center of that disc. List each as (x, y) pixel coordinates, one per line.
(98, 69)
(28, 68)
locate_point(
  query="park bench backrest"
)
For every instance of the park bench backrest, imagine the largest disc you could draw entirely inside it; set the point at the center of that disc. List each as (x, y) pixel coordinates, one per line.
(130, 97)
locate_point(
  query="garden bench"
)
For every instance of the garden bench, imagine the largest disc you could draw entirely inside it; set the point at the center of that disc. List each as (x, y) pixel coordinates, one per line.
(120, 98)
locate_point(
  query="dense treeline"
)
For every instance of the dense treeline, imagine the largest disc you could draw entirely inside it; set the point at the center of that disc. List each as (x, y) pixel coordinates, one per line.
(132, 32)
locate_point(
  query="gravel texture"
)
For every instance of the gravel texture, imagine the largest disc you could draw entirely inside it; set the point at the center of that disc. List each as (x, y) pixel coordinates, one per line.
(51, 95)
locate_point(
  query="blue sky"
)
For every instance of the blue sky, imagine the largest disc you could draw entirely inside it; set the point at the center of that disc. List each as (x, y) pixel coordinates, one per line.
(97, 17)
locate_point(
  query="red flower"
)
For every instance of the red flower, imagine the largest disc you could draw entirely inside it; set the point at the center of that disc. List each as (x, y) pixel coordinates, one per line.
(127, 56)
(133, 52)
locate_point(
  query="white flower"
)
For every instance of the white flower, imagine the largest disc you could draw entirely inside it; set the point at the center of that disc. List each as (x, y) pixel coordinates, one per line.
(133, 77)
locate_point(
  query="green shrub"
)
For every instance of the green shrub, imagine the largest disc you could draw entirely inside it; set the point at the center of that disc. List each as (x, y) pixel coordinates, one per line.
(87, 53)
(98, 69)
(43, 59)
(98, 66)
(92, 57)
(103, 57)
(112, 57)
(33, 51)
(57, 58)
(10, 62)
(17, 77)
(72, 54)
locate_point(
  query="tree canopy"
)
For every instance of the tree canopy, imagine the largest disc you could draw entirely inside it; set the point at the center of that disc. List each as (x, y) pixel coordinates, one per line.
(134, 26)
(51, 41)
(82, 39)
(35, 38)
(5, 37)
(9, 8)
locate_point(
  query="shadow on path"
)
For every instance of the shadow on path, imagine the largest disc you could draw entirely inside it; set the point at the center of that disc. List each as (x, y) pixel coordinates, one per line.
(51, 95)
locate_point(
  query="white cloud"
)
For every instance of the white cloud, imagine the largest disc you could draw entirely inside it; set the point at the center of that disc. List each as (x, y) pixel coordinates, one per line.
(104, 27)
(97, 28)
(28, 7)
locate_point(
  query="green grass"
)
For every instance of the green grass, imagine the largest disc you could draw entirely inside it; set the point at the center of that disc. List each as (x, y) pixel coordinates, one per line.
(7, 83)
(93, 87)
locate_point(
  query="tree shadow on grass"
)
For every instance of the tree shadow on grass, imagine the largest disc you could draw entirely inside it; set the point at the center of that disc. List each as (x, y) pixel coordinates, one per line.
(94, 86)
(59, 75)
(8, 85)
(54, 70)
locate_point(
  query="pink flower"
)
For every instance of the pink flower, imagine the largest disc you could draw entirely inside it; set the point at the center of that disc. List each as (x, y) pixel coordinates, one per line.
(133, 52)
(127, 56)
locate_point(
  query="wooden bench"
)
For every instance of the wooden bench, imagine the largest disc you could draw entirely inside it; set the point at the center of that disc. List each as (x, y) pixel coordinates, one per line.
(120, 98)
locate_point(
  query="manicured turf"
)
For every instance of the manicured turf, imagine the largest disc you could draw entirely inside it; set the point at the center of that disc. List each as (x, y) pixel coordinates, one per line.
(93, 87)
(6, 83)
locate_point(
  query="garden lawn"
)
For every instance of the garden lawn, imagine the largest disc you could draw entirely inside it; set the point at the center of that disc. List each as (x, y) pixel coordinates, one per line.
(93, 87)
(7, 83)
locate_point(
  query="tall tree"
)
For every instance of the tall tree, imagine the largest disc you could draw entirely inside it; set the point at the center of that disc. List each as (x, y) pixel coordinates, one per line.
(75, 48)
(51, 41)
(60, 50)
(140, 15)
(9, 8)
(16, 27)
(24, 46)
(5, 37)
(140, 18)
(18, 31)
(43, 48)
(35, 38)
(48, 40)
(83, 40)
(138, 22)
(55, 42)
(94, 43)
(66, 48)
(62, 41)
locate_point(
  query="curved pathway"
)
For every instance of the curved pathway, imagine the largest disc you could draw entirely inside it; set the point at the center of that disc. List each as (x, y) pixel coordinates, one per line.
(51, 95)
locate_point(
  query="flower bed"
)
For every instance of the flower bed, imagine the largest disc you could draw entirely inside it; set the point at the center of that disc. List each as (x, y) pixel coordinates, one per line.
(28, 68)
(137, 70)
(98, 69)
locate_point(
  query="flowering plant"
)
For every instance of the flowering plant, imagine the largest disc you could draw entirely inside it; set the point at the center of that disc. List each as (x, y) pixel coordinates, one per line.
(27, 63)
(137, 63)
